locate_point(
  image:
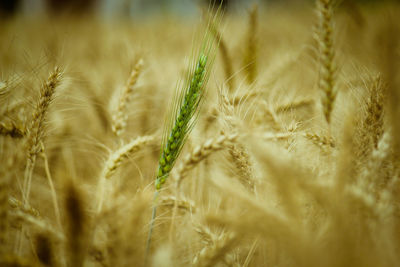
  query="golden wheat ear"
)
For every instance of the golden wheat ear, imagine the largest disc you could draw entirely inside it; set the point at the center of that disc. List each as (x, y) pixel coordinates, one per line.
(36, 130)
(328, 72)
(119, 118)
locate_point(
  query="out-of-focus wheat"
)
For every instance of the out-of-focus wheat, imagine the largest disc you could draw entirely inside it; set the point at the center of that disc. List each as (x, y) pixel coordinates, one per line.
(120, 115)
(36, 130)
(264, 180)
(328, 71)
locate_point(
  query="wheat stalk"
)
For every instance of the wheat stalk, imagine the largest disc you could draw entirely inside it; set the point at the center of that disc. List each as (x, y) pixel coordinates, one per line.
(75, 232)
(250, 56)
(51, 185)
(44, 250)
(226, 59)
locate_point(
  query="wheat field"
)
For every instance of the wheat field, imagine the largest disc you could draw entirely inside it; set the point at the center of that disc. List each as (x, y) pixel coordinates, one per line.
(293, 159)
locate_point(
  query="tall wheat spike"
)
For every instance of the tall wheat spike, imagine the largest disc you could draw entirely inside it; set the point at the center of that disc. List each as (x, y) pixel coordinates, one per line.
(35, 134)
(186, 106)
(36, 130)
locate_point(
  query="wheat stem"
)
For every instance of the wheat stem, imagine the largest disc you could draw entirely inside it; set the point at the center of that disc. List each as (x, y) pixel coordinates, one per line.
(250, 58)
(52, 188)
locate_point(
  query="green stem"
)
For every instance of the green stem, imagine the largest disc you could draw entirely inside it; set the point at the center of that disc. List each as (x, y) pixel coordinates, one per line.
(153, 218)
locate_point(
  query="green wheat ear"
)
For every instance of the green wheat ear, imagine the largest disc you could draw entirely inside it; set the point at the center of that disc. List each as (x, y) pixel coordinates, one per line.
(186, 105)
(185, 108)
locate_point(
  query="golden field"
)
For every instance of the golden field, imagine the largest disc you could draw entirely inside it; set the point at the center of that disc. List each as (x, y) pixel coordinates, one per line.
(293, 160)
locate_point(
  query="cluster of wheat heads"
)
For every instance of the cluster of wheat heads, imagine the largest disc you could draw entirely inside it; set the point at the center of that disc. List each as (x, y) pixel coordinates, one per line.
(293, 161)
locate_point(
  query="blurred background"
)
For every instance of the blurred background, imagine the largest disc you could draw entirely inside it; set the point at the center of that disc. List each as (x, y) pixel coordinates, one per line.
(136, 8)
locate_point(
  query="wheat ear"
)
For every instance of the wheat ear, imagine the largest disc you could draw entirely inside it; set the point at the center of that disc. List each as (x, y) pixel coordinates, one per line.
(238, 153)
(375, 110)
(210, 240)
(294, 106)
(184, 113)
(207, 236)
(35, 134)
(36, 130)
(200, 153)
(119, 118)
(116, 159)
(211, 255)
(328, 68)
(183, 123)
(12, 129)
(320, 140)
(181, 203)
